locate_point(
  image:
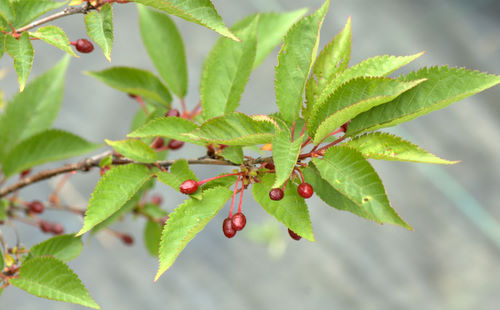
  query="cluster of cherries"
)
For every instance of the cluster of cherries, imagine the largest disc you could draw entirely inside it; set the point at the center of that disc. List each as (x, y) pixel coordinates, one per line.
(36, 207)
(234, 223)
(159, 144)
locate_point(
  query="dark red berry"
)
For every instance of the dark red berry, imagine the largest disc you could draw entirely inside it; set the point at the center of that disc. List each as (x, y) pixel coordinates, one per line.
(238, 221)
(45, 226)
(175, 144)
(158, 143)
(188, 187)
(25, 173)
(293, 235)
(276, 194)
(57, 229)
(173, 112)
(36, 207)
(305, 190)
(270, 166)
(84, 46)
(228, 229)
(127, 239)
(156, 200)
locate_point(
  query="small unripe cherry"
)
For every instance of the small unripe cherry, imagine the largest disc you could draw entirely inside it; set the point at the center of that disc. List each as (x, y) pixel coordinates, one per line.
(57, 229)
(175, 144)
(305, 190)
(156, 200)
(127, 239)
(188, 187)
(293, 235)
(84, 46)
(158, 143)
(228, 229)
(45, 226)
(173, 112)
(238, 221)
(35, 207)
(276, 194)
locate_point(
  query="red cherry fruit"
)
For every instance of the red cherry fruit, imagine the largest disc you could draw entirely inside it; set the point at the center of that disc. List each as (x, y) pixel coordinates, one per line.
(156, 200)
(127, 239)
(45, 226)
(57, 229)
(293, 235)
(228, 229)
(305, 190)
(35, 207)
(173, 112)
(84, 46)
(276, 194)
(188, 187)
(175, 144)
(158, 143)
(238, 221)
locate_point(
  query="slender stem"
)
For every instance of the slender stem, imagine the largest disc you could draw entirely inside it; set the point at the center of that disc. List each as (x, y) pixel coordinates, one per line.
(141, 103)
(234, 195)
(220, 176)
(66, 12)
(241, 194)
(300, 173)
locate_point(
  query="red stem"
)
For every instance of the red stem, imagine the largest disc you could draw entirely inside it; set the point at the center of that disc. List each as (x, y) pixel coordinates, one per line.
(300, 173)
(234, 196)
(220, 176)
(241, 194)
(141, 103)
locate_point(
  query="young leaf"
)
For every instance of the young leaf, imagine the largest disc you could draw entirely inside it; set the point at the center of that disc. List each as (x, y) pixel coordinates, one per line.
(347, 171)
(201, 12)
(376, 66)
(226, 70)
(22, 53)
(164, 45)
(135, 150)
(42, 98)
(234, 154)
(152, 236)
(334, 58)
(134, 81)
(29, 10)
(171, 127)
(384, 146)
(100, 28)
(295, 61)
(47, 146)
(235, 129)
(351, 99)
(285, 155)
(114, 189)
(443, 87)
(179, 172)
(7, 11)
(271, 30)
(186, 222)
(54, 36)
(64, 248)
(50, 278)
(291, 210)
(2, 51)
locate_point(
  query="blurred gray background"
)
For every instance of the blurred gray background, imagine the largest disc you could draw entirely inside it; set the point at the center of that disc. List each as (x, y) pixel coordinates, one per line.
(450, 261)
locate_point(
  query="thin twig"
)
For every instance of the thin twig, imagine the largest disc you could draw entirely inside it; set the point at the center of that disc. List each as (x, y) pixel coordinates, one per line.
(66, 12)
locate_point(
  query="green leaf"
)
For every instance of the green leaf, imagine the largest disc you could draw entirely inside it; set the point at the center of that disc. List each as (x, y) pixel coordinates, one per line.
(372, 67)
(234, 154)
(2, 50)
(271, 30)
(64, 248)
(443, 87)
(201, 12)
(295, 61)
(334, 198)
(152, 236)
(285, 155)
(4, 205)
(384, 146)
(42, 98)
(164, 45)
(347, 171)
(22, 53)
(113, 190)
(50, 278)
(186, 222)
(334, 58)
(7, 11)
(351, 99)
(100, 28)
(135, 150)
(54, 36)
(135, 81)
(236, 129)
(226, 70)
(29, 10)
(47, 146)
(171, 127)
(178, 173)
(2, 262)
(291, 210)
